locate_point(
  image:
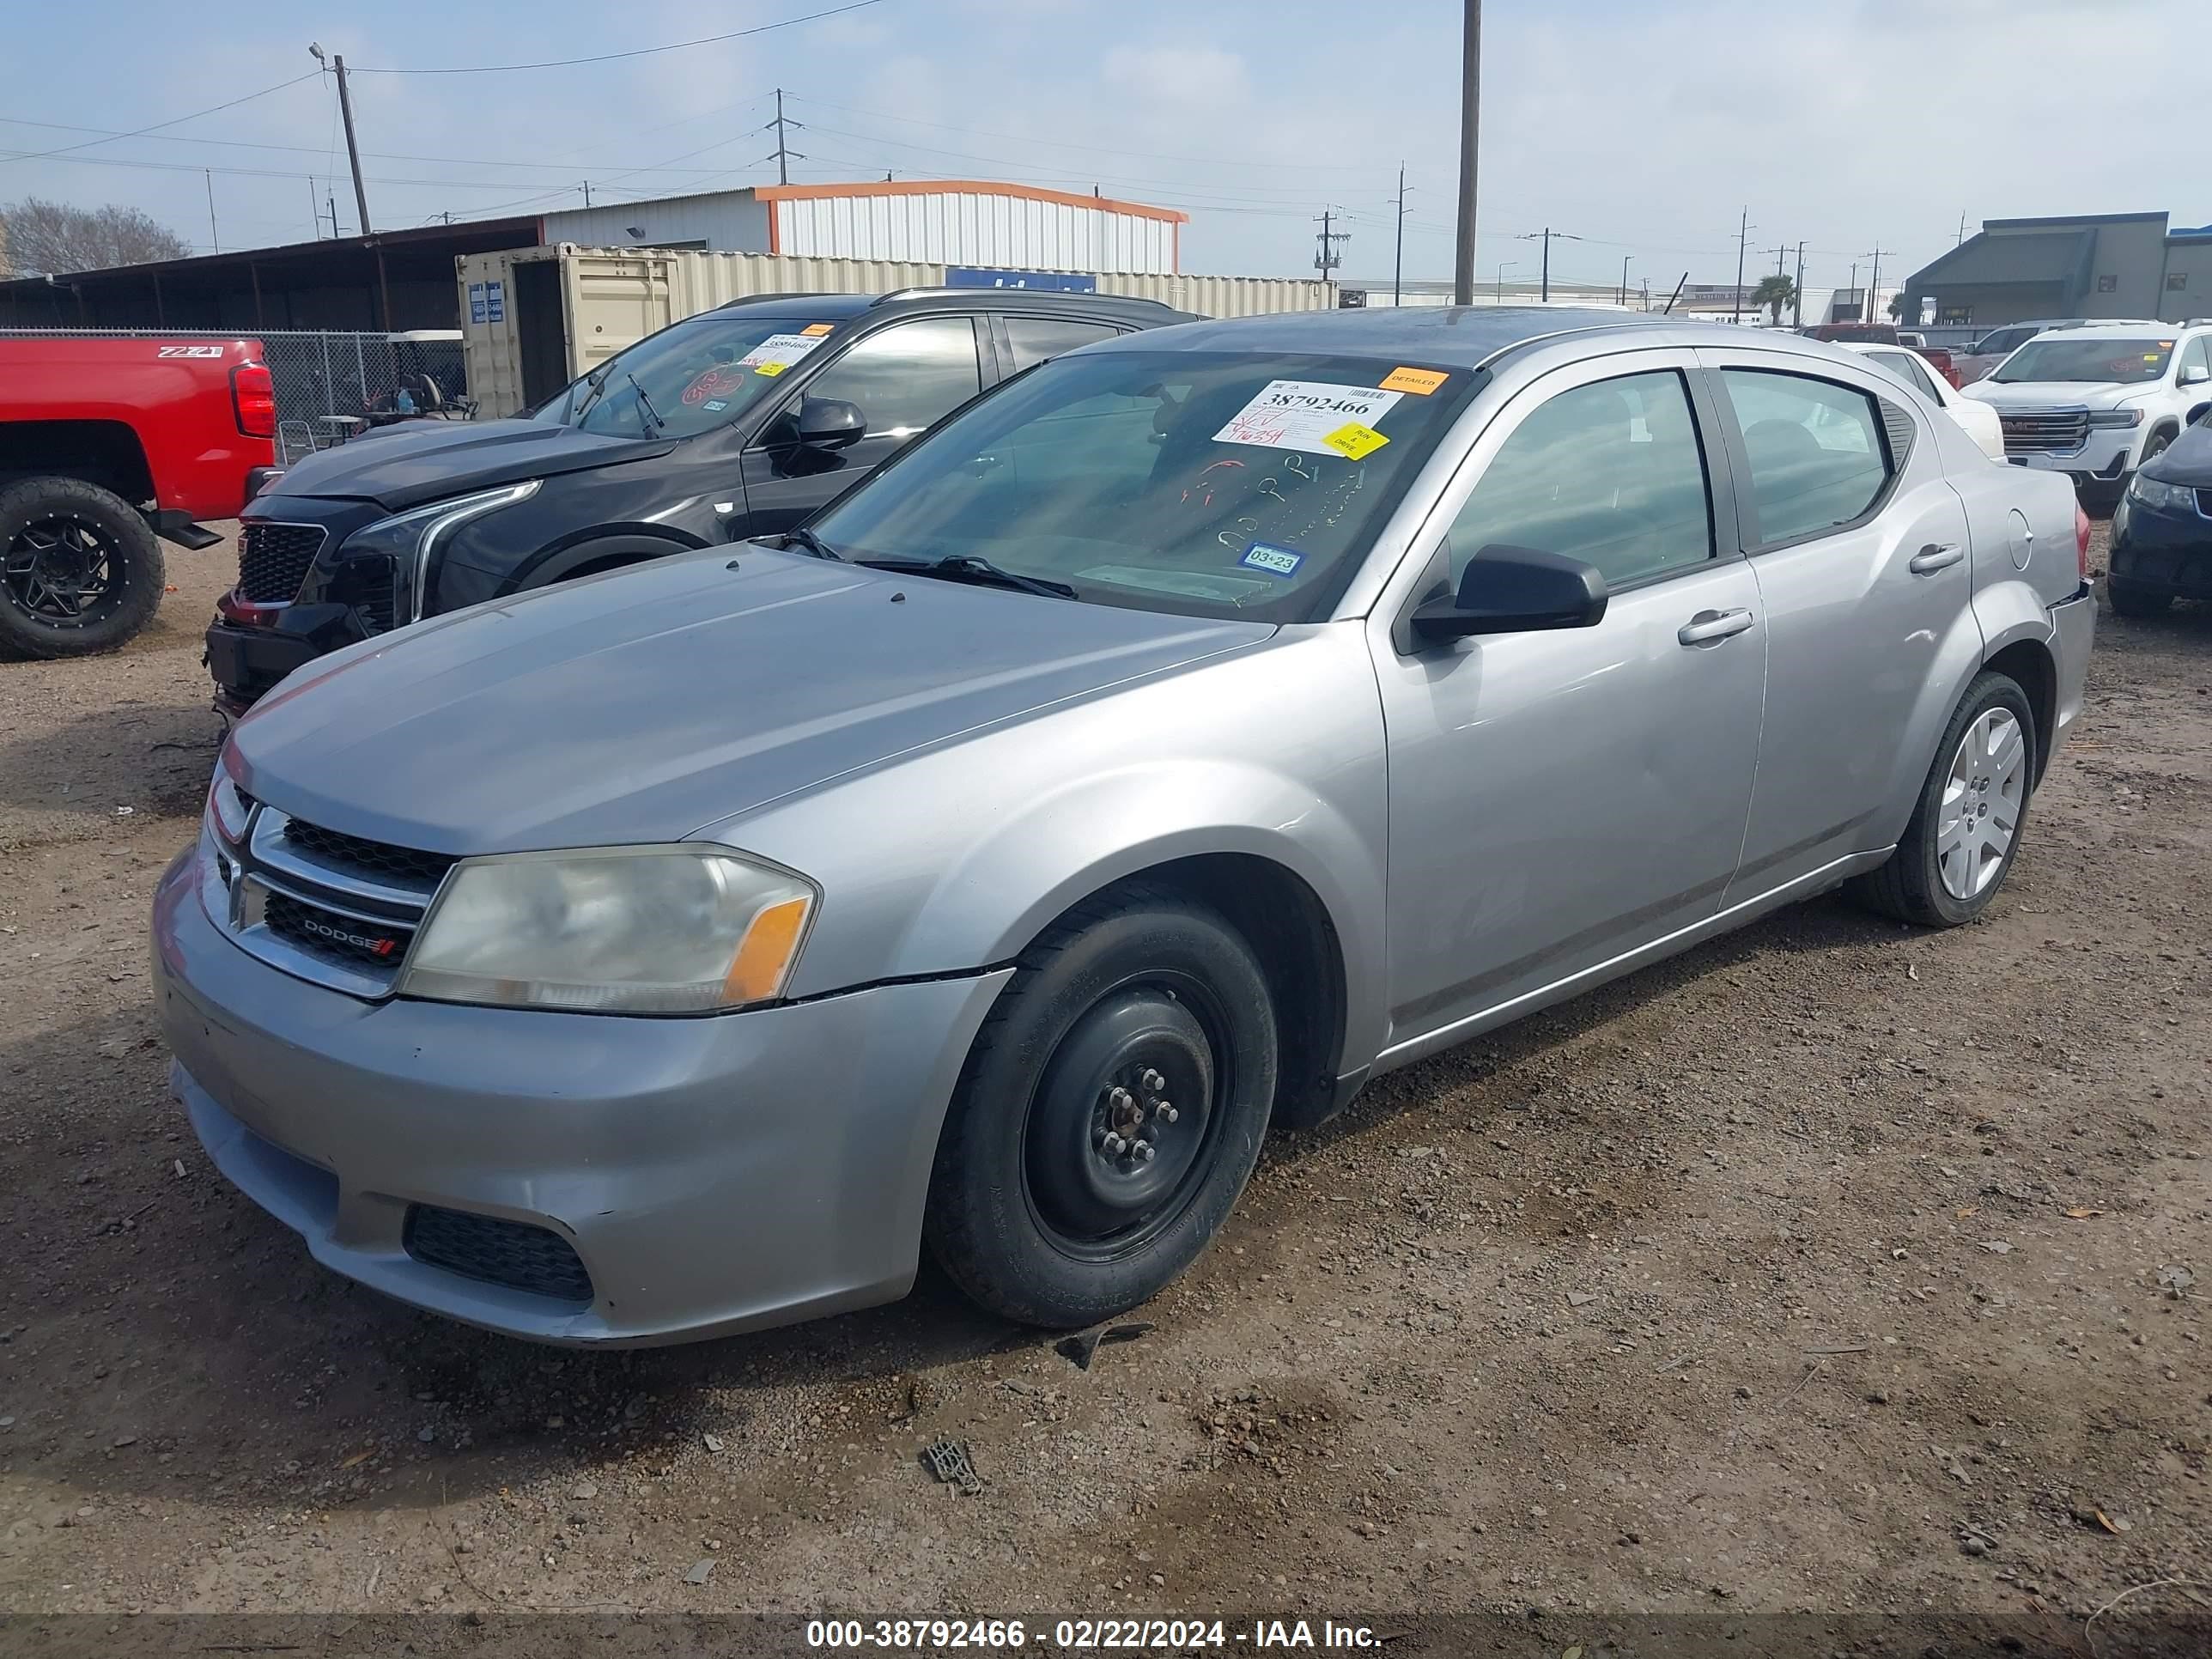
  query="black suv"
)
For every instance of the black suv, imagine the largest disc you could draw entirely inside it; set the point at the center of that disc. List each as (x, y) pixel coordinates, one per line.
(739, 422)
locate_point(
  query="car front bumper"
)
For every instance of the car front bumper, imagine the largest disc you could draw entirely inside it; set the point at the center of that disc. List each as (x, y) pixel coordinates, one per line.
(2163, 550)
(2104, 457)
(710, 1175)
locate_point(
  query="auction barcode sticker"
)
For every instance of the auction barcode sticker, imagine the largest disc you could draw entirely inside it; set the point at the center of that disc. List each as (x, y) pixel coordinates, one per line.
(1307, 414)
(778, 352)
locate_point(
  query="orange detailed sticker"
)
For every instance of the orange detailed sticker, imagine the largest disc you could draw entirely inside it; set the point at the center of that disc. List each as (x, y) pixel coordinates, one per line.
(817, 328)
(1418, 381)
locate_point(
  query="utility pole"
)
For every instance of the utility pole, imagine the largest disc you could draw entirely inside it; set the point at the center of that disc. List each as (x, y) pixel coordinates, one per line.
(1548, 236)
(1470, 110)
(1858, 298)
(1503, 266)
(587, 192)
(314, 207)
(783, 154)
(1962, 232)
(1327, 260)
(1742, 241)
(331, 199)
(1624, 279)
(1797, 293)
(1874, 282)
(353, 145)
(212, 236)
(1398, 267)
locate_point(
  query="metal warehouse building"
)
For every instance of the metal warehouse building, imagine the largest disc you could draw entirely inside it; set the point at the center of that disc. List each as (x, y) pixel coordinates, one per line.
(2104, 264)
(938, 221)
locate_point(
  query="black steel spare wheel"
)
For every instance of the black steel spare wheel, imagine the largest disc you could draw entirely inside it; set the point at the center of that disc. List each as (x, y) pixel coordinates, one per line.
(1110, 1111)
(79, 569)
(1121, 1120)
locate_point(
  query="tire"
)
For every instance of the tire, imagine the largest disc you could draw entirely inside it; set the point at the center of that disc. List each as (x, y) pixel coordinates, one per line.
(80, 571)
(1912, 886)
(2154, 446)
(2129, 601)
(1030, 1211)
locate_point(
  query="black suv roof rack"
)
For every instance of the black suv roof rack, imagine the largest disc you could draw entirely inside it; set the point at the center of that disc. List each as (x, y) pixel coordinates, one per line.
(1025, 293)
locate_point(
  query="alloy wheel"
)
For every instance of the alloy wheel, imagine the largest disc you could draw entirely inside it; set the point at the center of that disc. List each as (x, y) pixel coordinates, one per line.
(60, 569)
(1983, 796)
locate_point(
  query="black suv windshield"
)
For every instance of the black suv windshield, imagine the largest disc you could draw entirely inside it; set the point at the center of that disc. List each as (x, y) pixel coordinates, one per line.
(2071, 357)
(1211, 483)
(689, 378)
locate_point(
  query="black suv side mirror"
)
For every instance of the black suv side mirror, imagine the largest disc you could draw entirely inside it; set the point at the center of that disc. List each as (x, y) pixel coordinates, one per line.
(1514, 590)
(831, 422)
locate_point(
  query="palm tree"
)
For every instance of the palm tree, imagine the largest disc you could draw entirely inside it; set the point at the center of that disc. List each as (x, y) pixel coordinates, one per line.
(1774, 293)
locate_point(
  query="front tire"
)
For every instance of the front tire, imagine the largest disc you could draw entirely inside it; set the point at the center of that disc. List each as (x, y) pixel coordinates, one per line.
(1965, 830)
(80, 572)
(1109, 1113)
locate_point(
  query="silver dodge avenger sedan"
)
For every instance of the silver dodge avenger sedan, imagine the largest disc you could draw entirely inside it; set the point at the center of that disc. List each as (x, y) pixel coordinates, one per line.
(1195, 728)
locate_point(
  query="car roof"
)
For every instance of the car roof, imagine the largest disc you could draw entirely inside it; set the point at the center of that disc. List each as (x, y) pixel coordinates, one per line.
(2127, 331)
(1459, 337)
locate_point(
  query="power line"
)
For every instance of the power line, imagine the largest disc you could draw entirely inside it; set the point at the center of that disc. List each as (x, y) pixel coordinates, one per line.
(64, 150)
(638, 51)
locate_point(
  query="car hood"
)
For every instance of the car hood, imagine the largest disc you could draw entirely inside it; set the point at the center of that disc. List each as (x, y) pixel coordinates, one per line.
(2058, 394)
(417, 461)
(642, 705)
(2187, 460)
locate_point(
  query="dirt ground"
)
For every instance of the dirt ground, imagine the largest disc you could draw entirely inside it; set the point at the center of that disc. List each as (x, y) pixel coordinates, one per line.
(1832, 1267)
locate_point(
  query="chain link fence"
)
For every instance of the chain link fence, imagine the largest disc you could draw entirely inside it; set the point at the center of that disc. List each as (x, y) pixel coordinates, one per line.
(331, 386)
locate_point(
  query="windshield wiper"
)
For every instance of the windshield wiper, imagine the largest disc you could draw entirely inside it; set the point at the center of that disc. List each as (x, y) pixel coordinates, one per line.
(659, 426)
(812, 542)
(595, 383)
(971, 567)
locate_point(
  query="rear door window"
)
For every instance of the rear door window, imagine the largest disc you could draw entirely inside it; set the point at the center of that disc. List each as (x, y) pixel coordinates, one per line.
(1904, 363)
(1036, 338)
(1817, 457)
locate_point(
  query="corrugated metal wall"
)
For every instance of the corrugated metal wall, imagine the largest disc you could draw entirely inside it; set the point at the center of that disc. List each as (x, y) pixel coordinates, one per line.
(967, 228)
(609, 298)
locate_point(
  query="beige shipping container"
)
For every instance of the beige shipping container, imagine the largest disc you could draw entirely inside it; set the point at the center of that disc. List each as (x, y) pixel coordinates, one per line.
(533, 319)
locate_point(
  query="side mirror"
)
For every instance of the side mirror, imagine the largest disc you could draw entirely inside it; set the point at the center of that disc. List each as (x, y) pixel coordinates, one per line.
(831, 422)
(2195, 376)
(1514, 590)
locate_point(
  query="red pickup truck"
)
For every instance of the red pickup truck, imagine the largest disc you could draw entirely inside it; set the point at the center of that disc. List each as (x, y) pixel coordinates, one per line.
(106, 443)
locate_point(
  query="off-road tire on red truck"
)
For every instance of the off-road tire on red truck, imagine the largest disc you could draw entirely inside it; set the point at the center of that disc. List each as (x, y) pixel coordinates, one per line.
(80, 571)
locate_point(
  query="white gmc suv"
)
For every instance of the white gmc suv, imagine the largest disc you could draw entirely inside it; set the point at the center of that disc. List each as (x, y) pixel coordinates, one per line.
(2100, 401)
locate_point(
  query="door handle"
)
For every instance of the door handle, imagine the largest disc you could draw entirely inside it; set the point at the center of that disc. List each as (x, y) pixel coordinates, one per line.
(1937, 556)
(1711, 627)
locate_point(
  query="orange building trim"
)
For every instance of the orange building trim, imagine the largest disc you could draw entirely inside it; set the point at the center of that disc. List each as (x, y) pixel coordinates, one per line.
(960, 187)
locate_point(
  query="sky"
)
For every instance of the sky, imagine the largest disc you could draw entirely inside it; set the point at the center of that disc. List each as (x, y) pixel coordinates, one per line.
(1647, 130)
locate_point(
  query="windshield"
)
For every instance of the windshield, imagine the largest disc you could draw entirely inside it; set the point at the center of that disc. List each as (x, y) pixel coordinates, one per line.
(2098, 361)
(689, 378)
(1211, 484)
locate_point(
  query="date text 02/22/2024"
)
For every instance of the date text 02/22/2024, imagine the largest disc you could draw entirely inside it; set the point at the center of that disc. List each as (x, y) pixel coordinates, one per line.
(1087, 1635)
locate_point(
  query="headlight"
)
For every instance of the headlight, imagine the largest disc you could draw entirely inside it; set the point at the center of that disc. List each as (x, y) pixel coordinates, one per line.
(2116, 417)
(409, 538)
(2152, 492)
(633, 930)
(228, 806)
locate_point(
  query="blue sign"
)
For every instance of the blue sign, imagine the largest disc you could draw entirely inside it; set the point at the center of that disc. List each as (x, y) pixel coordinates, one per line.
(476, 302)
(495, 301)
(1044, 282)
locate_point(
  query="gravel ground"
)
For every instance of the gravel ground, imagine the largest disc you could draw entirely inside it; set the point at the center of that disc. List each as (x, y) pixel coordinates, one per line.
(1832, 1266)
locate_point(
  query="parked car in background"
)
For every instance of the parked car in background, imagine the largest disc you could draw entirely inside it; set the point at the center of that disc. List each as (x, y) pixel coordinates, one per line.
(2162, 546)
(106, 443)
(736, 422)
(1174, 739)
(1889, 334)
(1975, 361)
(1977, 419)
(2097, 402)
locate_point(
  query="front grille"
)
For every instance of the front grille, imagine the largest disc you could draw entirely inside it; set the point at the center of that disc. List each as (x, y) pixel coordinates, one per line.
(329, 934)
(2045, 429)
(497, 1251)
(376, 859)
(273, 559)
